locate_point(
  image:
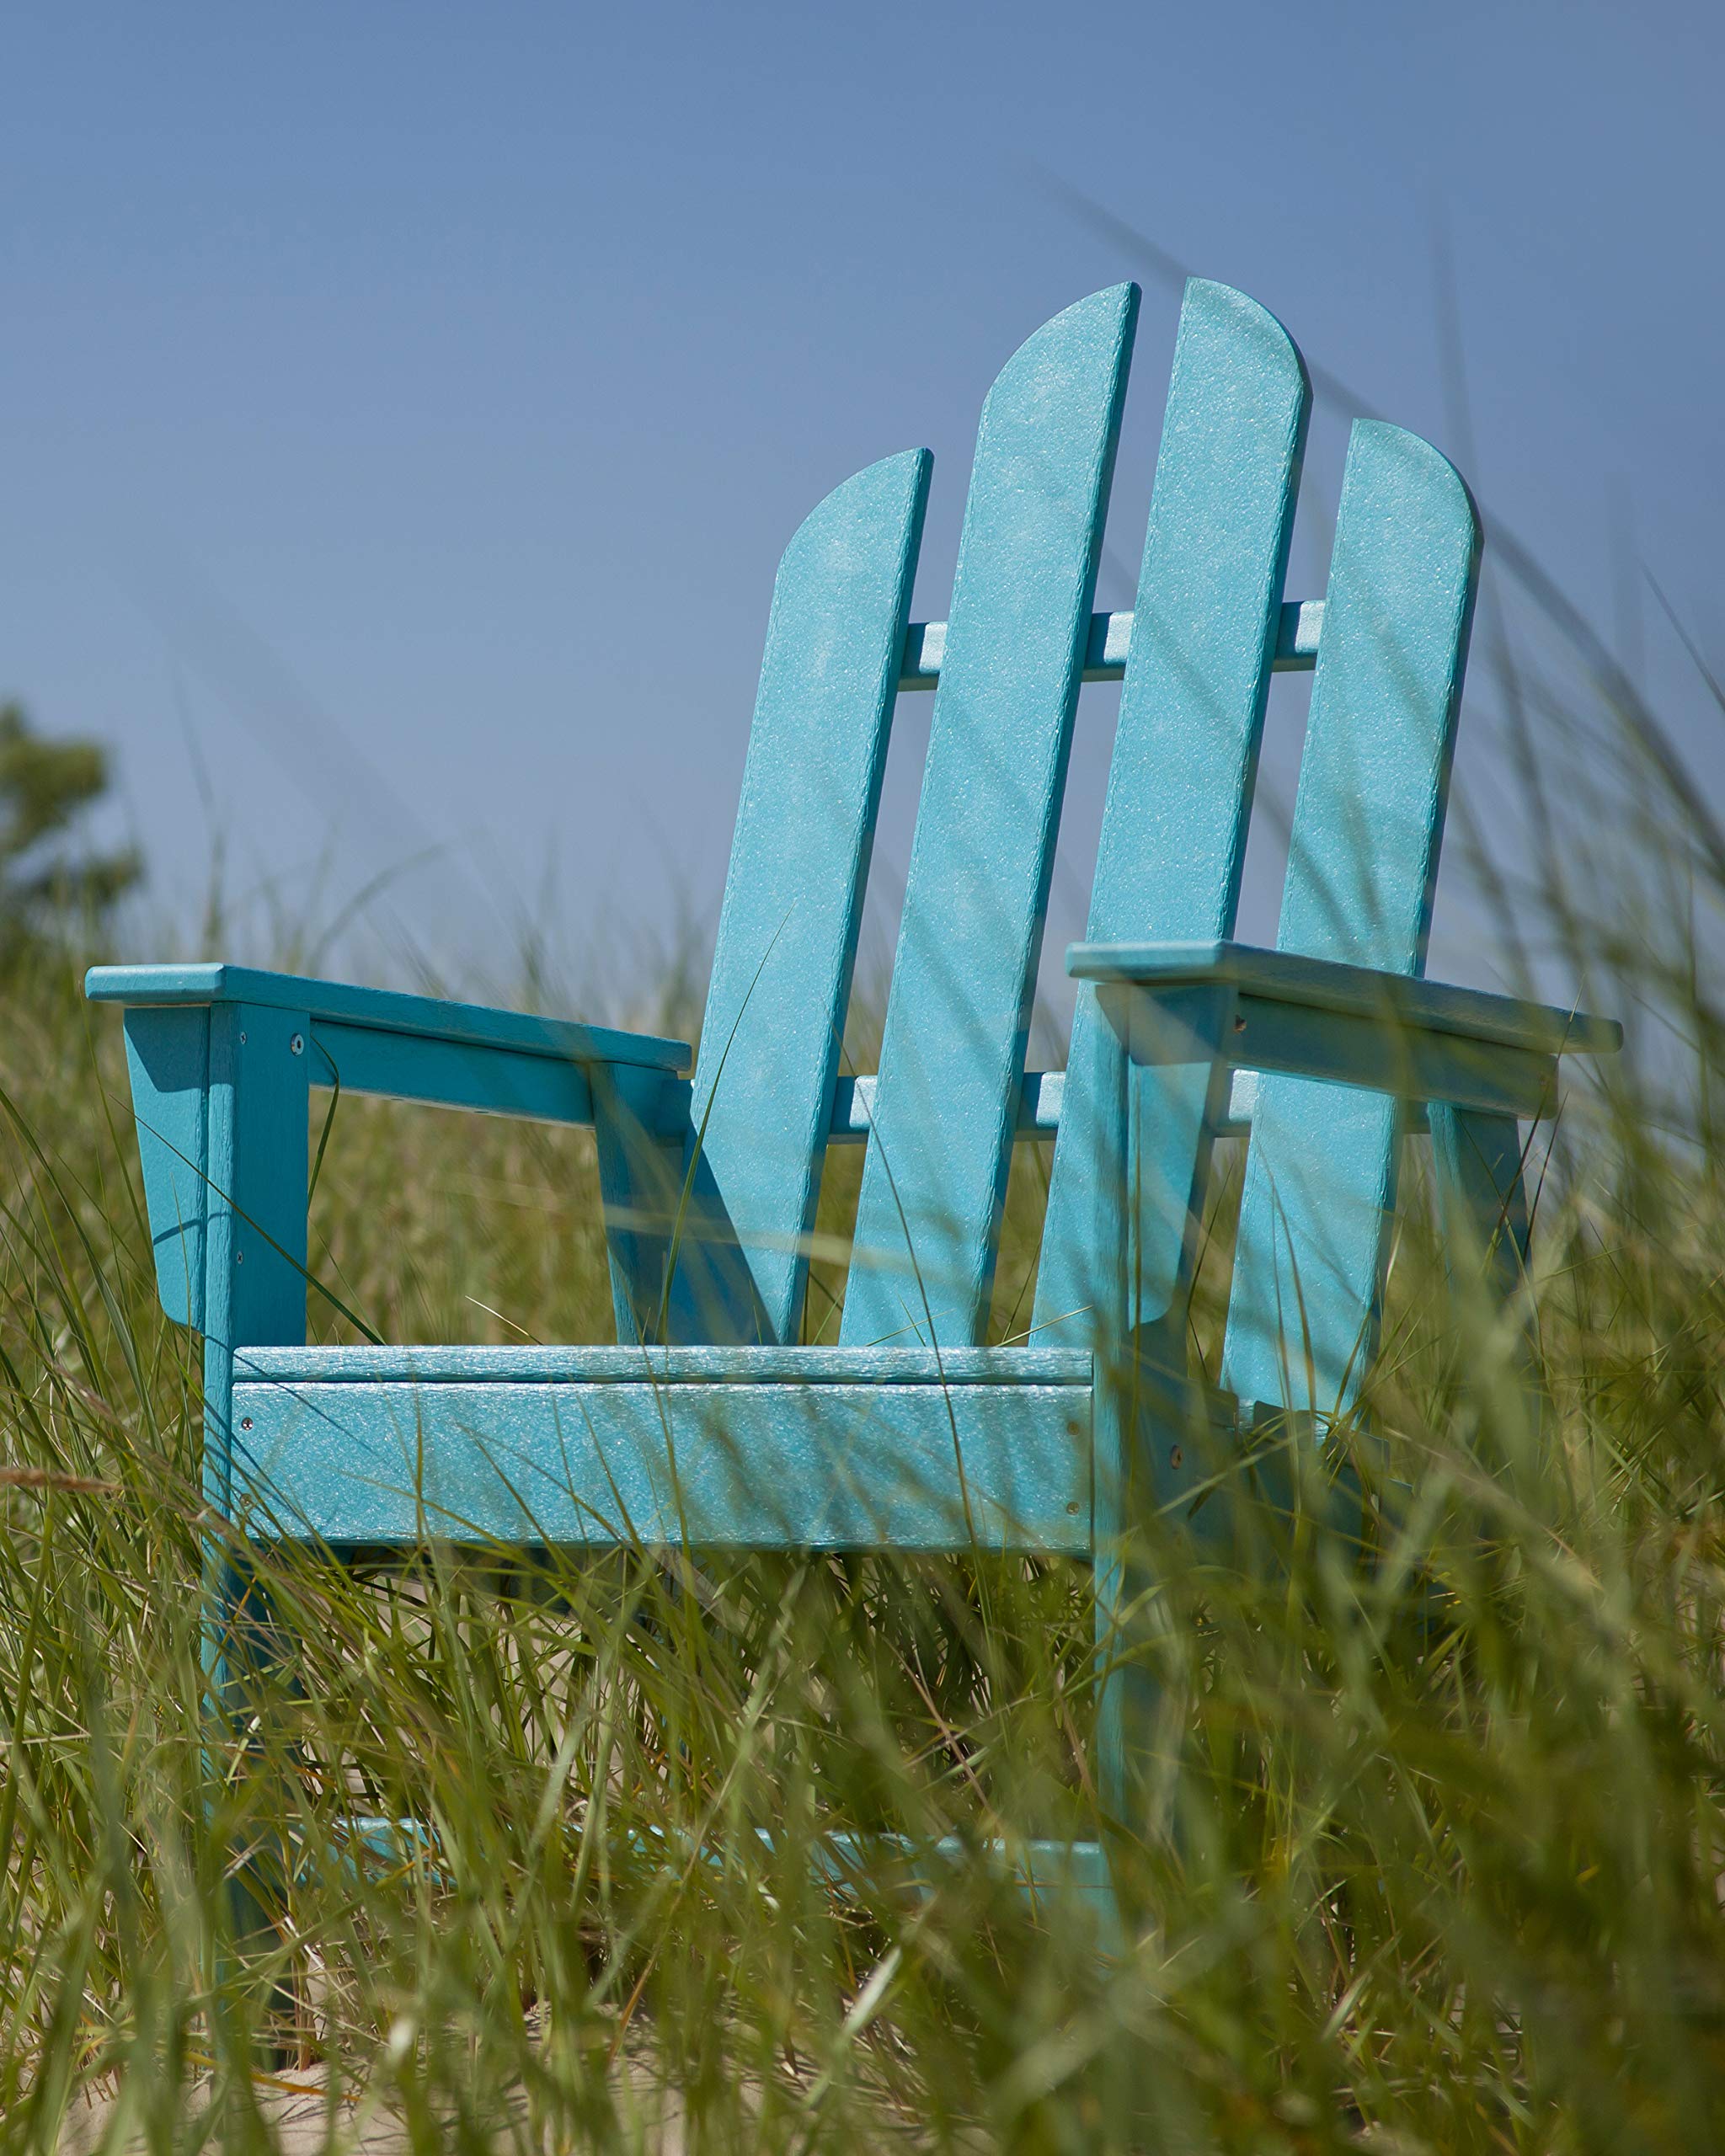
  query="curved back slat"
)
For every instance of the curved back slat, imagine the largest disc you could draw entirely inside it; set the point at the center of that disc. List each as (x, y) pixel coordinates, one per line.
(1368, 827)
(953, 1053)
(765, 1077)
(1179, 796)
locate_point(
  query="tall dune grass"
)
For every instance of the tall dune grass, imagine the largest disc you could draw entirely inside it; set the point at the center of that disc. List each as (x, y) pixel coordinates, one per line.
(1435, 1855)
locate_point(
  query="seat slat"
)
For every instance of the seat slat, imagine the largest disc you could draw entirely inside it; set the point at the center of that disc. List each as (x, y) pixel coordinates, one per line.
(1363, 860)
(488, 1364)
(1204, 637)
(952, 1052)
(597, 1465)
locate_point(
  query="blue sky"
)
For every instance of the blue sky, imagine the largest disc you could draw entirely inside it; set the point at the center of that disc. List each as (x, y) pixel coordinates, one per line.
(404, 409)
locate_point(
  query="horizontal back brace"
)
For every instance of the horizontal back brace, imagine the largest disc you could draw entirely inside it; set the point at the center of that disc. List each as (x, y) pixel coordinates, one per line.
(1039, 1108)
(542, 1090)
(1110, 635)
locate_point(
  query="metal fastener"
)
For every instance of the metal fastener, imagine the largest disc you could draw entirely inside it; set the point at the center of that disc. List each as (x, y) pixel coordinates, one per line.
(245, 1421)
(296, 1046)
(1175, 1457)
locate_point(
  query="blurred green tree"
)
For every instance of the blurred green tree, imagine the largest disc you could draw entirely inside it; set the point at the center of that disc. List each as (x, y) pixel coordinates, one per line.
(49, 884)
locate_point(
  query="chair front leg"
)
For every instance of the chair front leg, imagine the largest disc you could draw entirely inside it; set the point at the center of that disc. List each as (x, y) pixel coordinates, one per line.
(1170, 1083)
(260, 1069)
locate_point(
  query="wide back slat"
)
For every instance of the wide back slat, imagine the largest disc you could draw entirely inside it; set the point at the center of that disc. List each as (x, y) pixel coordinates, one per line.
(764, 1080)
(1368, 827)
(1198, 674)
(953, 1053)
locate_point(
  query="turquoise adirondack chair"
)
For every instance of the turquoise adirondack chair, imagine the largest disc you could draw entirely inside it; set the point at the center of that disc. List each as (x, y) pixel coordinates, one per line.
(707, 1423)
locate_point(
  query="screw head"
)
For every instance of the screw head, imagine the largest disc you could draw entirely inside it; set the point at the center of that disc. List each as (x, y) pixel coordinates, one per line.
(242, 1040)
(245, 1421)
(296, 1046)
(1175, 1457)
(239, 1257)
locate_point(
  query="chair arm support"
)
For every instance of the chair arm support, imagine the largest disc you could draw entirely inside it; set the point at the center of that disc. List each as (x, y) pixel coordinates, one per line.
(1278, 1010)
(222, 1059)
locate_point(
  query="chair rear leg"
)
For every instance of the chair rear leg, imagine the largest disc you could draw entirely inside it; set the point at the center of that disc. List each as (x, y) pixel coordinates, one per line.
(1481, 1200)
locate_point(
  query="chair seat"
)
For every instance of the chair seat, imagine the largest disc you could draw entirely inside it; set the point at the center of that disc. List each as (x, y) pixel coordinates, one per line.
(763, 1448)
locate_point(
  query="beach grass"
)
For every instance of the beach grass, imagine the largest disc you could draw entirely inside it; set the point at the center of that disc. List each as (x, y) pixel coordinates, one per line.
(1431, 1859)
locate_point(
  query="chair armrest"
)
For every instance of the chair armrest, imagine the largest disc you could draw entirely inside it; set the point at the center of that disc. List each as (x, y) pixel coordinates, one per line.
(412, 1048)
(221, 1058)
(1319, 1019)
(335, 1004)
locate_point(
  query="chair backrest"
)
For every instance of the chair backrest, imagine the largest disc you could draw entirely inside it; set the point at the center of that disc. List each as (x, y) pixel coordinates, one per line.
(1198, 675)
(952, 1057)
(1203, 641)
(1363, 865)
(769, 1054)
